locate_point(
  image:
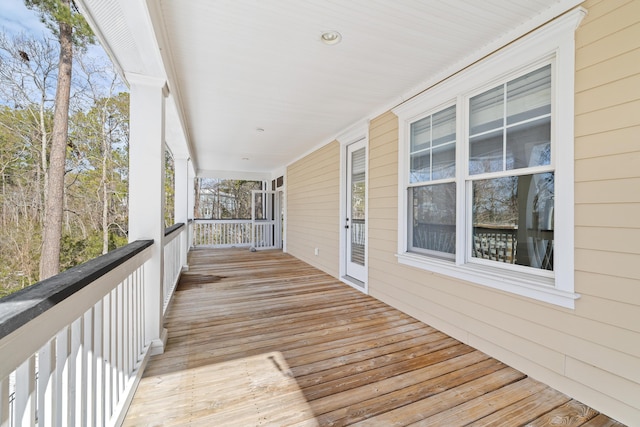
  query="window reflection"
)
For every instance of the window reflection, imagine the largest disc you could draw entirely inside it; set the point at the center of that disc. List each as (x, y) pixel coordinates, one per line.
(434, 218)
(510, 125)
(513, 220)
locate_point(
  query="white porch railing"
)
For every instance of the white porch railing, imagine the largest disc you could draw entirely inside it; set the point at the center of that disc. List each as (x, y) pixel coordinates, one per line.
(190, 231)
(73, 347)
(175, 249)
(265, 234)
(222, 233)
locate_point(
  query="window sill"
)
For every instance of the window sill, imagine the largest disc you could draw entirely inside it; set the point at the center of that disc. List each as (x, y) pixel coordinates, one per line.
(530, 286)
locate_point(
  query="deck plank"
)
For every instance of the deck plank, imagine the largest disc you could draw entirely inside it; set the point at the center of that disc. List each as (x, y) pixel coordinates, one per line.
(572, 413)
(263, 339)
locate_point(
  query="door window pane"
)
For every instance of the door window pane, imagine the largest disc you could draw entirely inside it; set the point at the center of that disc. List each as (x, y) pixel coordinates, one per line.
(358, 205)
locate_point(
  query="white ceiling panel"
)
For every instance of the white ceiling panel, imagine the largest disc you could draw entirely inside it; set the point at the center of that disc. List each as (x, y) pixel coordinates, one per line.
(238, 65)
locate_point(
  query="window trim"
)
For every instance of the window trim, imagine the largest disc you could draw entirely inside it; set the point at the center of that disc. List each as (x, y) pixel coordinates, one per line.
(554, 42)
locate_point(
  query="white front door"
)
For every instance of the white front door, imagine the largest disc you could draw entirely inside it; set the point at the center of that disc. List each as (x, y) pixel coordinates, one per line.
(355, 234)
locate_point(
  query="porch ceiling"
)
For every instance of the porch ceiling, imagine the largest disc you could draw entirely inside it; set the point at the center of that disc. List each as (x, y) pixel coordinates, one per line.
(237, 66)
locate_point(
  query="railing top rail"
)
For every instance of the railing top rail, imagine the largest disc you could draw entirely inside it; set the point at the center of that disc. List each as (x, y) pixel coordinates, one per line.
(209, 221)
(175, 227)
(25, 305)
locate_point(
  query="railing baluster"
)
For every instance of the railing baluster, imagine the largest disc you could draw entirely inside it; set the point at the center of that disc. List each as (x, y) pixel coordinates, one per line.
(131, 322)
(88, 376)
(109, 332)
(125, 331)
(46, 380)
(115, 365)
(25, 410)
(5, 415)
(62, 378)
(143, 320)
(136, 317)
(75, 374)
(97, 395)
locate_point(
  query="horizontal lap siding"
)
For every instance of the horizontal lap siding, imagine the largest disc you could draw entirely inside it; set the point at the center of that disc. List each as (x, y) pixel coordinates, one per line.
(313, 192)
(607, 197)
(592, 352)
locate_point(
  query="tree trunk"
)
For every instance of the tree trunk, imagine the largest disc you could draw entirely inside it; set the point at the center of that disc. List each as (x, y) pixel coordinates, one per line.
(196, 199)
(43, 158)
(52, 230)
(106, 151)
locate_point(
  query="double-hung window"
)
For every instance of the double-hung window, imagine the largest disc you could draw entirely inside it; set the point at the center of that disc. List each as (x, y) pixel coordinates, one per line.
(486, 170)
(510, 173)
(432, 187)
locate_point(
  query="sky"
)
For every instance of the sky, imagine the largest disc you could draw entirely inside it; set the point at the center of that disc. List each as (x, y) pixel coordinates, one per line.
(16, 18)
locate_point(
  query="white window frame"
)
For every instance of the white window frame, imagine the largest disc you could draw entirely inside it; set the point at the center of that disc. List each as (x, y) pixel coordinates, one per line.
(553, 43)
(409, 231)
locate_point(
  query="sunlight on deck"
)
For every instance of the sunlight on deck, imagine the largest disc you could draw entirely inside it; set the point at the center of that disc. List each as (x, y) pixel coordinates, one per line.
(252, 391)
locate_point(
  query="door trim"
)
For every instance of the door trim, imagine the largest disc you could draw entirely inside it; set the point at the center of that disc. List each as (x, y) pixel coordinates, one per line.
(356, 135)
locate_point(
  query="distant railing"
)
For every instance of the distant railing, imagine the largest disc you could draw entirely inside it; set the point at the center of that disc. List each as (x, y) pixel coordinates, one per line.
(358, 241)
(72, 346)
(358, 232)
(495, 243)
(222, 233)
(435, 237)
(175, 239)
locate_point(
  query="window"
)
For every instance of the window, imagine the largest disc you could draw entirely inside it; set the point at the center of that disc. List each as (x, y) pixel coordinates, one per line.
(509, 139)
(486, 170)
(432, 189)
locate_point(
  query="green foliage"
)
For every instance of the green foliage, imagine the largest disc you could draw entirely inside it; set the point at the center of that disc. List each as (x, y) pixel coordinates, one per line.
(54, 12)
(169, 189)
(77, 249)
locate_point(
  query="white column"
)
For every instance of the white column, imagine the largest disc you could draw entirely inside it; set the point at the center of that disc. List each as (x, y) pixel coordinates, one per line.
(146, 192)
(191, 196)
(181, 208)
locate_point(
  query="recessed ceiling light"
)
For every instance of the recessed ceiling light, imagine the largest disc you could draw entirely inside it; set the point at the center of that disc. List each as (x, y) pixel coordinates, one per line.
(331, 37)
(260, 129)
(245, 158)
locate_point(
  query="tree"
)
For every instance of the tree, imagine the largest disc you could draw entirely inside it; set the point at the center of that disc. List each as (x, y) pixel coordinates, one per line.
(71, 29)
(169, 188)
(19, 201)
(99, 141)
(224, 198)
(27, 76)
(95, 198)
(96, 178)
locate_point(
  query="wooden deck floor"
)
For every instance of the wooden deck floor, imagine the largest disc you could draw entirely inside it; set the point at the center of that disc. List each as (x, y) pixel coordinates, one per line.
(260, 338)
